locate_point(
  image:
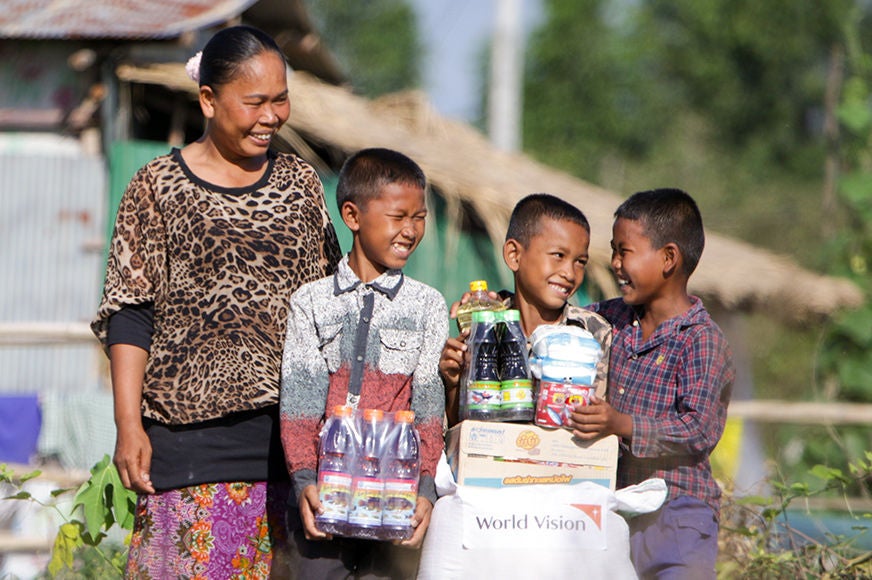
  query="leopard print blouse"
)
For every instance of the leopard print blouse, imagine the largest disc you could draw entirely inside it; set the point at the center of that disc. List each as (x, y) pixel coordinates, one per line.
(220, 265)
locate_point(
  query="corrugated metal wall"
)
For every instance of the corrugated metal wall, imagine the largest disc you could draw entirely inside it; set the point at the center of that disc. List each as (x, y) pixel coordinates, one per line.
(52, 224)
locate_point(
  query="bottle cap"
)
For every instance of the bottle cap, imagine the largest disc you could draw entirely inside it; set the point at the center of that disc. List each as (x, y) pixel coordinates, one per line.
(511, 315)
(373, 414)
(342, 411)
(478, 285)
(484, 316)
(404, 416)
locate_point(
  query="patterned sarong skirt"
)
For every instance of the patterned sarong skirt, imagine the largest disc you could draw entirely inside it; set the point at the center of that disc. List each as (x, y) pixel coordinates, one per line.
(212, 531)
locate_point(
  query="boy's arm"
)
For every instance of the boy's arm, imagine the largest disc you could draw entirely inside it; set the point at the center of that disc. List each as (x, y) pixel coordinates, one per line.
(304, 385)
(703, 389)
(428, 394)
(598, 418)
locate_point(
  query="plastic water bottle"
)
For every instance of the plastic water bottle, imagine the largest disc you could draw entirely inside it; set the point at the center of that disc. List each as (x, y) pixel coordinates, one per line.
(367, 486)
(480, 389)
(401, 478)
(516, 386)
(479, 299)
(336, 456)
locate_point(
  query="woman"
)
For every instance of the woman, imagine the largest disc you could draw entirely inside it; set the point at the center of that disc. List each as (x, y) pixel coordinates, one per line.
(210, 241)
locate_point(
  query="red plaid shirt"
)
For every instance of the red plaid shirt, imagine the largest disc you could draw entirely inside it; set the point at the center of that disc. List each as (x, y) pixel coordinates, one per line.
(676, 385)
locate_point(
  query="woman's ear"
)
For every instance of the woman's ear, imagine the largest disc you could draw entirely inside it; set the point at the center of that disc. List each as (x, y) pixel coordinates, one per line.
(512, 251)
(207, 101)
(350, 215)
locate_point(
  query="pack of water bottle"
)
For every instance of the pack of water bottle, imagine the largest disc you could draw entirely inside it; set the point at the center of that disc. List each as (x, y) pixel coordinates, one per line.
(368, 470)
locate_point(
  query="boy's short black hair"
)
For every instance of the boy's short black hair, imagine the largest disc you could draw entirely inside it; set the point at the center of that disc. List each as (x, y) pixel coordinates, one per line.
(668, 215)
(529, 212)
(364, 174)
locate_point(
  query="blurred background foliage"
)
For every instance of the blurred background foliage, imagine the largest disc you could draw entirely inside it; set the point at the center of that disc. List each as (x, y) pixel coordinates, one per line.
(759, 108)
(375, 41)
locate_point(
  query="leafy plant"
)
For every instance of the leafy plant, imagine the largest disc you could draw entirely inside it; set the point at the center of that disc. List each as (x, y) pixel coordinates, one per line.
(846, 355)
(99, 504)
(758, 541)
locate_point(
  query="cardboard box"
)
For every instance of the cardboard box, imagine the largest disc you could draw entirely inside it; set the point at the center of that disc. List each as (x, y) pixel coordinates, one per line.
(490, 454)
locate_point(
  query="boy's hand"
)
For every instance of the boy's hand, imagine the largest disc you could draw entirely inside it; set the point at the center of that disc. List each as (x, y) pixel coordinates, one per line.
(598, 418)
(451, 360)
(309, 506)
(450, 369)
(452, 312)
(420, 522)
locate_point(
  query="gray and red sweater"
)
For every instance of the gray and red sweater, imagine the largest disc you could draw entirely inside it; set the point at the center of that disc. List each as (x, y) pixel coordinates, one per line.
(385, 337)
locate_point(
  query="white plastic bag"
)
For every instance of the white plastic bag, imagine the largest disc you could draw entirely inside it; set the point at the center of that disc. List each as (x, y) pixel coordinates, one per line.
(444, 556)
(642, 498)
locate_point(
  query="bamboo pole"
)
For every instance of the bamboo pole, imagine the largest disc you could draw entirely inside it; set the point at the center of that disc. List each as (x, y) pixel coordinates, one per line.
(802, 412)
(39, 333)
(63, 477)
(11, 543)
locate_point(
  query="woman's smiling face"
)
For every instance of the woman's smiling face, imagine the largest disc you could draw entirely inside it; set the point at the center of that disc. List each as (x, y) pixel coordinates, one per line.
(248, 111)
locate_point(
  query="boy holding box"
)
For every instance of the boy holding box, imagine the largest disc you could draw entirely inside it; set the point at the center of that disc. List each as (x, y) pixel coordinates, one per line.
(670, 381)
(546, 248)
(367, 337)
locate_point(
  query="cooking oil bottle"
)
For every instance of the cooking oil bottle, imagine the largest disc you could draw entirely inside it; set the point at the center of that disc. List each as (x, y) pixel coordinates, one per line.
(478, 300)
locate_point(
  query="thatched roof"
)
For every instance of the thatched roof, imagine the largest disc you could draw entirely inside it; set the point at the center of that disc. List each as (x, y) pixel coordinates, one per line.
(463, 167)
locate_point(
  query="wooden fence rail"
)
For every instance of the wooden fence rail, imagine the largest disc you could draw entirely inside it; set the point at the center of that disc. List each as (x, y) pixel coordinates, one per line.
(802, 412)
(45, 333)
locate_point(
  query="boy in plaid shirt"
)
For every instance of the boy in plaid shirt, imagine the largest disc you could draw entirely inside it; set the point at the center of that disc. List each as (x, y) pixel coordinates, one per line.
(670, 379)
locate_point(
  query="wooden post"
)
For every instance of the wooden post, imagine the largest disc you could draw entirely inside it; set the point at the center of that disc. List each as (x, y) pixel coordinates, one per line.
(803, 412)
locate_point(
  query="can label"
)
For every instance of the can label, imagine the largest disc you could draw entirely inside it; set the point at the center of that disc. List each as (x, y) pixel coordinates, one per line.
(558, 399)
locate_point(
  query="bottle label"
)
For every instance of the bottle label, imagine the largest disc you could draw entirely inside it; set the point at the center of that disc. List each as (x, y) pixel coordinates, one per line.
(366, 502)
(558, 400)
(401, 496)
(483, 396)
(517, 394)
(334, 491)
